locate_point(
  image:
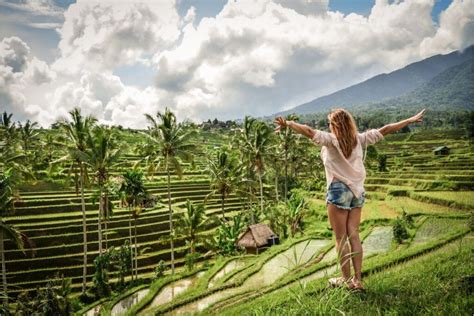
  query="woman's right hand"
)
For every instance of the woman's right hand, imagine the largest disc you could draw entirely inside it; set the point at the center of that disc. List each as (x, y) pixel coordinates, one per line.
(281, 122)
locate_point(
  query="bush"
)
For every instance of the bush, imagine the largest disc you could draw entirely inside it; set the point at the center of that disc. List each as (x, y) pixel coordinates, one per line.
(50, 301)
(382, 163)
(471, 221)
(400, 232)
(190, 260)
(408, 219)
(101, 287)
(160, 269)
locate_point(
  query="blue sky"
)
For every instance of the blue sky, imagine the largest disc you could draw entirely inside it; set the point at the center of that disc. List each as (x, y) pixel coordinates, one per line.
(255, 58)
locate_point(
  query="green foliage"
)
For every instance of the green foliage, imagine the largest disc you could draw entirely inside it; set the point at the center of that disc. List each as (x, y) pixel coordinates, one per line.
(166, 140)
(101, 287)
(192, 222)
(190, 260)
(132, 188)
(296, 212)
(7, 196)
(160, 269)
(382, 163)
(471, 221)
(227, 235)
(53, 300)
(408, 219)
(122, 259)
(277, 216)
(225, 176)
(400, 232)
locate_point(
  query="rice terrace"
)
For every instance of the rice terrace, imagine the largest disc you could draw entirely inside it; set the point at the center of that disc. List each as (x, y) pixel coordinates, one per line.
(168, 190)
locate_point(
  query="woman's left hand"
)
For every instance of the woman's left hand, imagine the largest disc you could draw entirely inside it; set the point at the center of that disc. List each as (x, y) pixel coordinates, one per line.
(418, 117)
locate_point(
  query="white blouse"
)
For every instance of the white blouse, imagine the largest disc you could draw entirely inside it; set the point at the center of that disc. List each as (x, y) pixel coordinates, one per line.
(350, 170)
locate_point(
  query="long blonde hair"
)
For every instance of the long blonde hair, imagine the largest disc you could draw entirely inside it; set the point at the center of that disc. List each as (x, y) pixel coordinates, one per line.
(344, 127)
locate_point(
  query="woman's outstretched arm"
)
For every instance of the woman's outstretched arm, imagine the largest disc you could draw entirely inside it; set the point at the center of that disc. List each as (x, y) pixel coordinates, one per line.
(395, 127)
(298, 128)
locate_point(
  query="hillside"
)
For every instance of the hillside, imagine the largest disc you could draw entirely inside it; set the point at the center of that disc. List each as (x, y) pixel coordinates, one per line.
(385, 86)
(453, 88)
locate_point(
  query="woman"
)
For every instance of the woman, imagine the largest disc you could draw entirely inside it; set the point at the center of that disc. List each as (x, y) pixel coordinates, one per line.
(342, 155)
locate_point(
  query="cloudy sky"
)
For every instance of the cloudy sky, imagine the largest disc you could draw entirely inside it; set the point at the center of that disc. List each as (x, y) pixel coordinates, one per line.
(119, 59)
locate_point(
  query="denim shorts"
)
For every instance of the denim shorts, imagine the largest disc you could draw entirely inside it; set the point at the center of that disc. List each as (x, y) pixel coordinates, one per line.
(341, 196)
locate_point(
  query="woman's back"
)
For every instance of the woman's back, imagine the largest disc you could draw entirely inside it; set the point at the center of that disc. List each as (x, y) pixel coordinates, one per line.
(349, 170)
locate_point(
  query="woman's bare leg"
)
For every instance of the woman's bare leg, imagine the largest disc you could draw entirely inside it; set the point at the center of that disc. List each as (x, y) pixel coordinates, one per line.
(338, 220)
(353, 221)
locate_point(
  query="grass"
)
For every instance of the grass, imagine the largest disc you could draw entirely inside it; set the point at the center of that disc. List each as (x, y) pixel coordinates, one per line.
(439, 282)
(465, 198)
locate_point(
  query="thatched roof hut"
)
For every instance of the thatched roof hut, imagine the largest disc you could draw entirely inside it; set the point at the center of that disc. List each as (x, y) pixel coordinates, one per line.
(442, 150)
(256, 238)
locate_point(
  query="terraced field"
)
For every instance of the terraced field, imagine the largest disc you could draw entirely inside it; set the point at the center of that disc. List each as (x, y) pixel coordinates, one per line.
(437, 191)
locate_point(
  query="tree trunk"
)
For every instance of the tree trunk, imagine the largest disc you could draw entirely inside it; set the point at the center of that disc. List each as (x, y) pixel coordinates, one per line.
(4, 271)
(136, 249)
(261, 190)
(100, 219)
(170, 211)
(106, 219)
(130, 234)
(286, 174)
(222, 207)
(250, 205)
(276, 187)
(84, 231)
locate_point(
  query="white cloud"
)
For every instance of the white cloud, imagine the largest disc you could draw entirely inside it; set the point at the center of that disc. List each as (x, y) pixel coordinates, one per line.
(45, 25)
(456, 29)
(14, 53)
(38, 72)
(18, 70)
(254, 57)
(101, 35)
(306, 7)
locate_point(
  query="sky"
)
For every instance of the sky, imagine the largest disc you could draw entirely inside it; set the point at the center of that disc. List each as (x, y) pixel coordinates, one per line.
(120, 59)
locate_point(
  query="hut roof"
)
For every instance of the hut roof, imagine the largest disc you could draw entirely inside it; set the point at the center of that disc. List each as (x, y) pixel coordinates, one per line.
(255, 236)
(441, 148)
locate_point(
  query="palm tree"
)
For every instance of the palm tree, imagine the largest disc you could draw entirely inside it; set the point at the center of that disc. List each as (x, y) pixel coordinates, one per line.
(256, 144)
(28, 134)
(100, 156)
(287, 141)
(225, 176)
(76, 131)
(168, 141)
(132, 189)
(7, 199)
(191, 223)
(241, 141)
(136, 213)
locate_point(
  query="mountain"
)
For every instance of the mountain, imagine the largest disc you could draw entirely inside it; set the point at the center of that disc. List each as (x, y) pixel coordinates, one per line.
(452, 88)
(386, 86)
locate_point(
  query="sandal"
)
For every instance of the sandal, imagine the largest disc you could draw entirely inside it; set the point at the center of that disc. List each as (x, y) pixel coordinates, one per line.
(355, 286)
(338, 282)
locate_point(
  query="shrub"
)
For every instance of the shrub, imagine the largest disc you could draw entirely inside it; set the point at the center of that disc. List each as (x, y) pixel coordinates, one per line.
(160, 269)
(101, 287)
(122, 259)
(471, 221)
(382, 163)
(190, 260)
(400, 232)
(50, 301)
(408, 219)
